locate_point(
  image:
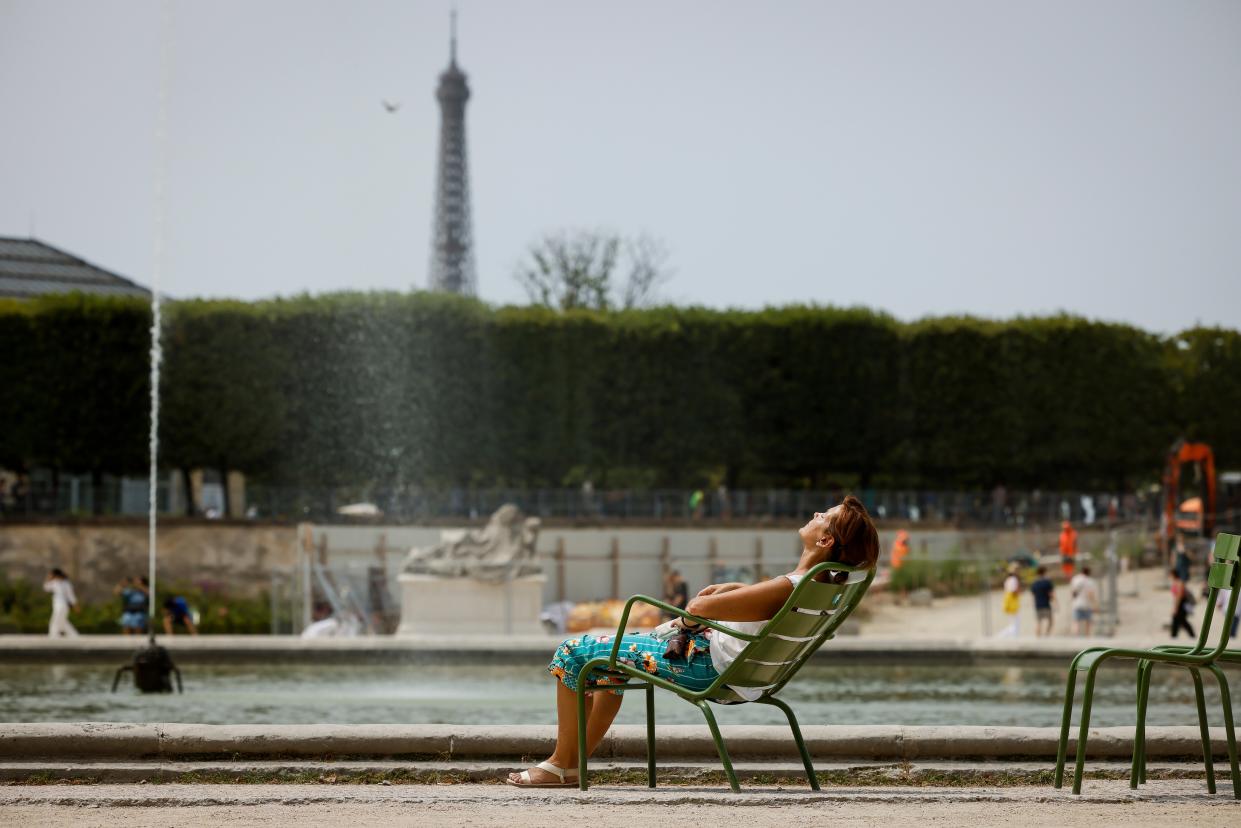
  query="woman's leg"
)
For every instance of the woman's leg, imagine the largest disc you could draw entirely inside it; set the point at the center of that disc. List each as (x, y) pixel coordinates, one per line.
(602, 706)
(601, 710)
(600, 713)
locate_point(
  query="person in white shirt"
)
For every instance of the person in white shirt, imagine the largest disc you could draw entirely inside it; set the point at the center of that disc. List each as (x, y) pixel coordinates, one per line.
(63, 600)
(844, 533)
(1085, 592)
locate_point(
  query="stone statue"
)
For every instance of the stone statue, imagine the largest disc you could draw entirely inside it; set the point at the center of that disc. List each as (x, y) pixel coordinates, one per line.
(500, 551)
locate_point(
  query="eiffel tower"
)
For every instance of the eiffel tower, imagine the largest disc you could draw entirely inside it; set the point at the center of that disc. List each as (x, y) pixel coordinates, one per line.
(452, 244)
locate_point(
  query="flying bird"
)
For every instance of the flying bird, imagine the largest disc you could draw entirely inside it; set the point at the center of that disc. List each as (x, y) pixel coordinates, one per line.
(391, 106)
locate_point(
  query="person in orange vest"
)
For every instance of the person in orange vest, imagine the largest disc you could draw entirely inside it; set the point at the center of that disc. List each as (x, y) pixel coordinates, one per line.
(900, 549)
(896, 559)
(1068, 549)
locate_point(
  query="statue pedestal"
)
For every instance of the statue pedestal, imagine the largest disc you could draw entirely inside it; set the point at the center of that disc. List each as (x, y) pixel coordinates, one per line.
(432, 605)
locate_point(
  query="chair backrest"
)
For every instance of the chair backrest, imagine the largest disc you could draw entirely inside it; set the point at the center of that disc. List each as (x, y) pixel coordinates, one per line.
(1224, 573)
(810, 616)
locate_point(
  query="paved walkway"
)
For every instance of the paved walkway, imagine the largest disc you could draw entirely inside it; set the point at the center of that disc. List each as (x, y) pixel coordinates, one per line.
(1145, 608)
(1160, 804)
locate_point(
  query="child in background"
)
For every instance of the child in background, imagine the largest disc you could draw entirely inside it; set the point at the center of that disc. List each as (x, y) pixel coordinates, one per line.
(1012, 602)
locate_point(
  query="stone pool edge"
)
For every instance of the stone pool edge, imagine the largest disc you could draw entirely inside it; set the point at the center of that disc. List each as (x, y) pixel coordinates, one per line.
(100, 740)
(266, 649)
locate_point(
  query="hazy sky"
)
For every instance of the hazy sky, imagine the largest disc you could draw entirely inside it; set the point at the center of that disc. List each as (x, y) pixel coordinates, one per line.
(978, 156)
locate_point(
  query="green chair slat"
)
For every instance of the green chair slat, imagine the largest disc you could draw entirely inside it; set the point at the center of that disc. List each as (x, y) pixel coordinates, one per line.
(751, 673)
(816, 596)
(1227, 547)
(811, 614)
(775, 649)
(1220, 575)
(798, 625)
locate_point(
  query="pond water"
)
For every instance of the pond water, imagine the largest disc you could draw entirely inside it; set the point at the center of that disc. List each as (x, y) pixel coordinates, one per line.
(478, 694)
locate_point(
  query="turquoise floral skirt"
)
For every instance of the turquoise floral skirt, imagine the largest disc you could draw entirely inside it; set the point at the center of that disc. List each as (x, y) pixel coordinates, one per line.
(644, 651)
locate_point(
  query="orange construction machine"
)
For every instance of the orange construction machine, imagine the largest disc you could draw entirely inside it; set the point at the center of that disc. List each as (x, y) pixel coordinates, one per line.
(1195, 514)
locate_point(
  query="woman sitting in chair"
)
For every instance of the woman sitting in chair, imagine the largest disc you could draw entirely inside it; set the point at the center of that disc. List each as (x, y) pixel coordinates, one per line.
(696, 656)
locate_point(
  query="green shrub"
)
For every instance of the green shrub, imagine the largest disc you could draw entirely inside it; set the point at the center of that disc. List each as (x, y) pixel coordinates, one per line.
(26, 608)
(385, 390)
(943, 577)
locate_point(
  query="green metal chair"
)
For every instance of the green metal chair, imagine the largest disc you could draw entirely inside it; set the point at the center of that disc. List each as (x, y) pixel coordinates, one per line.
(810, 616)
(1226, 551)
(1225, 571)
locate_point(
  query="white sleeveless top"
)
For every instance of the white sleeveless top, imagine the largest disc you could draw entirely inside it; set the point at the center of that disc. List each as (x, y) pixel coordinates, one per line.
(725, 648)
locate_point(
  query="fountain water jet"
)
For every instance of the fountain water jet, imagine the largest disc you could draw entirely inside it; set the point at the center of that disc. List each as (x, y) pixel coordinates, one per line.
(152, 666)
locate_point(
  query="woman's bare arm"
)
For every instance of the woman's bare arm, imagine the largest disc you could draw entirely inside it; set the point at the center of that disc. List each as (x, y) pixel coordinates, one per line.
(716, 589)
(755, 602)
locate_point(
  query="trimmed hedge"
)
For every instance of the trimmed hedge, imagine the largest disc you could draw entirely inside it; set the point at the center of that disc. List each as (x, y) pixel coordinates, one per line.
(381, 389)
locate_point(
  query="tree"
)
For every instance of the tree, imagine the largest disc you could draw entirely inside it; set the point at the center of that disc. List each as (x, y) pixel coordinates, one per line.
(582, 269)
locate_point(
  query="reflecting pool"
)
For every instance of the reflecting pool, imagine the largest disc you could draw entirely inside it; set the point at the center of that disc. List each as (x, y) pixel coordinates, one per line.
(508, 694)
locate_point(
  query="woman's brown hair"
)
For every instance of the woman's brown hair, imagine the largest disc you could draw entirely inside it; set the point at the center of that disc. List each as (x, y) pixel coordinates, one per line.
(857, 540)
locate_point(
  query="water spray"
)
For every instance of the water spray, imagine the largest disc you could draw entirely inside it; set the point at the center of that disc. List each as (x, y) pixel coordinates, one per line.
(152, 665)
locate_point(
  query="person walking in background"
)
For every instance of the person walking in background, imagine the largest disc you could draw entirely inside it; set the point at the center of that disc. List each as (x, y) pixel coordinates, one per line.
(1068, 549)
(1012, 602)
(1044, 592)
(696, 504)
(1181, 559)
(63, 600)
(900, 551)
(177, 612)
(1182, 604)
(1085, 594)
(135, 605)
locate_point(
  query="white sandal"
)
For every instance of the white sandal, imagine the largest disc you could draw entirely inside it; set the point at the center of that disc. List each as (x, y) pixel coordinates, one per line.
(562, 774)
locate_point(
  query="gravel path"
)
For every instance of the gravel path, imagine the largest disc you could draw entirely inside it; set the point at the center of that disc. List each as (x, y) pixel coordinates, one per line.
(1106, 803)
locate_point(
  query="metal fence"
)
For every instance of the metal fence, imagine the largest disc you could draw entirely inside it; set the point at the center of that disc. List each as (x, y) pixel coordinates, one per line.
(962, 508)
(71, 496)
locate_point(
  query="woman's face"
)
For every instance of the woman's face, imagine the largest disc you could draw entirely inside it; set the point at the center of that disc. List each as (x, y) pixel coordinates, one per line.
(817, 531)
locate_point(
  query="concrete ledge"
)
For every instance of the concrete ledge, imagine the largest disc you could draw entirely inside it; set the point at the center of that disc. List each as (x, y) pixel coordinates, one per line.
(65, 742)
(86, 740)
(267, 649)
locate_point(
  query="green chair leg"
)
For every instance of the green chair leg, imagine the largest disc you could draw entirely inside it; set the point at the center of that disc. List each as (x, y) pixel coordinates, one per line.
(581, 731)
(650, 735)
(797, 737)
(1066, 720)
(1083, 733)
(1204, 730)
(1139, 738)
(719, 746)
(1229, 732)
